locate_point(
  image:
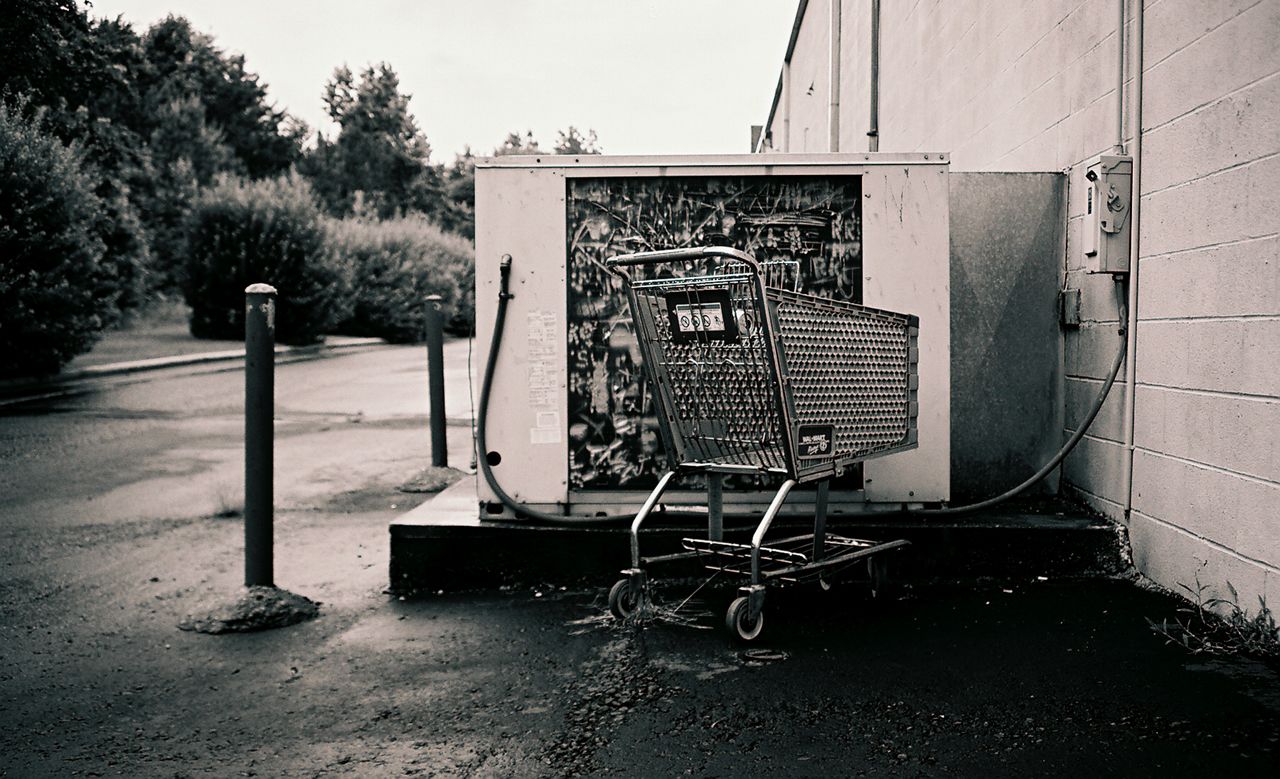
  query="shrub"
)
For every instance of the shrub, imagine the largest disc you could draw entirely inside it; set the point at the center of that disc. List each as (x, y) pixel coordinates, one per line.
(55, 294)
(393, 266)
(239, 233)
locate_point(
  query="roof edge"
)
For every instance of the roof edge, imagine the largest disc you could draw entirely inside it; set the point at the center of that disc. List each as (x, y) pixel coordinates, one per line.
(786, 60)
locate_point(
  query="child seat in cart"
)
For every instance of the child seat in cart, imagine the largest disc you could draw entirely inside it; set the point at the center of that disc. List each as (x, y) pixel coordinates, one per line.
(752, 379)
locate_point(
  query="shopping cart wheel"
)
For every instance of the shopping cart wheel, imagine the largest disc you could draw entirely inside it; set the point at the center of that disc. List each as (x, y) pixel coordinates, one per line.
(878, 572)
(738, 620)
(624, 599)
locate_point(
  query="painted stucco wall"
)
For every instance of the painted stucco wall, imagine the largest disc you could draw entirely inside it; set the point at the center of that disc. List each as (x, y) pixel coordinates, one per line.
(1031, 87)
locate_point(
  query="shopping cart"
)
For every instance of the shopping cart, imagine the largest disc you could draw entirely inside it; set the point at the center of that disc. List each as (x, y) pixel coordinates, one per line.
(749, 378)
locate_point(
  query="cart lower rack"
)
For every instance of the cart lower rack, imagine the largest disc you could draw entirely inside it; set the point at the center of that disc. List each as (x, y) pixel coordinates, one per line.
(750, 379)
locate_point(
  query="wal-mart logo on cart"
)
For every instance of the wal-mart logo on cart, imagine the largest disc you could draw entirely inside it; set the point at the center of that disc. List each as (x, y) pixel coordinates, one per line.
(815, 441)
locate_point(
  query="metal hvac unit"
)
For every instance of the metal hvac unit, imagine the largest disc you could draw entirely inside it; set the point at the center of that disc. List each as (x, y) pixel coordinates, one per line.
(571, 421)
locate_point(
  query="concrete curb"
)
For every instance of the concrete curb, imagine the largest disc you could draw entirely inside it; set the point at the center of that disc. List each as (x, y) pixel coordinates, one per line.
(15, 390)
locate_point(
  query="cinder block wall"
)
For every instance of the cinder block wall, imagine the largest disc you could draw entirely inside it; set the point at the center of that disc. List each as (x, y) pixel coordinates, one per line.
(1030, 87)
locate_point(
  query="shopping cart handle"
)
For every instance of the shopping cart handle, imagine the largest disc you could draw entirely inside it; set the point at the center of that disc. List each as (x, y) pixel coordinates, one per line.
(676, 255)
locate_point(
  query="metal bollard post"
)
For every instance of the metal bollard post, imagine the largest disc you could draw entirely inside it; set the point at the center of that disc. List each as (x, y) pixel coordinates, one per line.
(715, 506)
(259, 433)
(435, 381)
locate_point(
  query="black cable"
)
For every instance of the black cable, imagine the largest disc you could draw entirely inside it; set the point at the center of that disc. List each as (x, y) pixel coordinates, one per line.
(511, 503)
(1067, 447)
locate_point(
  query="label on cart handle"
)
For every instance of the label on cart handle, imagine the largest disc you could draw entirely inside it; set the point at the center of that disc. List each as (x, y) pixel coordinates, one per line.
(813, 441)
(701, 315)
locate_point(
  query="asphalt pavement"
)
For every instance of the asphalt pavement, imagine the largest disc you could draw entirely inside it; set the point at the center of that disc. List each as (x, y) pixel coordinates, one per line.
(120, 517)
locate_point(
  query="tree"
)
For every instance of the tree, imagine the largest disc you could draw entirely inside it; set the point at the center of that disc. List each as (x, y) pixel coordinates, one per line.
(185, 65)
(55, 292)
(204, 115)
(379, 163)
(514, 144)
(573, 142)
(158, 116)
(42, 44)
(77, 78)
(459, 183)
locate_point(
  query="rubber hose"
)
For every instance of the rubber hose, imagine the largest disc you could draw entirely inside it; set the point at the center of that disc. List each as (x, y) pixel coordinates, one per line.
(570, 519)
(1066, 448)
(482, 458)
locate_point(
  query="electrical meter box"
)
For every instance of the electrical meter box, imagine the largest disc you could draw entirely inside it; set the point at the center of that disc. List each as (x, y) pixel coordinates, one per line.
(1106, 218)
(571, 424)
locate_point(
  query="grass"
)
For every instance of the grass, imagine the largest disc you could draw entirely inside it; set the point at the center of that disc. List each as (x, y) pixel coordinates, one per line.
(229, 500)
(1220, 626)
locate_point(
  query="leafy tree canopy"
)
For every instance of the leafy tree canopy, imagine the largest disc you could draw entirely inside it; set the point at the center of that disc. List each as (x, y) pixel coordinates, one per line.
(517, 144)
(379, 162)
(189, 72)
(571, 141)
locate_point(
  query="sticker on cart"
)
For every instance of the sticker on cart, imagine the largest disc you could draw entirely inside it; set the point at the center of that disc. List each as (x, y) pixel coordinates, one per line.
(701, 315)
(815, 441)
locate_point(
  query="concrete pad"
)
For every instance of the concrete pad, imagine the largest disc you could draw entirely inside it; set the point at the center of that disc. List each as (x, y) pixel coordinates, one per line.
(443, 544)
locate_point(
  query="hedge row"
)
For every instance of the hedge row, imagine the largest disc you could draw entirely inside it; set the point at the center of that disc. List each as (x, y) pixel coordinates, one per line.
(350, 276)
(393, 265)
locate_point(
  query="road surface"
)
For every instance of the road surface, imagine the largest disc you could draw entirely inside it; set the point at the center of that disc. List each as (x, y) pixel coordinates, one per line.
(119, 518)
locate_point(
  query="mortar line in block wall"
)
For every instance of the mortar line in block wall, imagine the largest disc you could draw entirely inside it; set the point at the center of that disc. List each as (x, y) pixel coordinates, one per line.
(1147, 258)
(1212, 393)
(1108, 95)
(1208, 467)
(993, 118)
(1210, 104)
(1090, 495)
(1219, 172)
(1097, 439)
(1152, 66)
(1264, 565)
(1089, 379)
(1212, 318)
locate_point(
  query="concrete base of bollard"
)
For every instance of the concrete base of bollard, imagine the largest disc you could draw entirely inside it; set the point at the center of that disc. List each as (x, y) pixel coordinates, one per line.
(258, 608)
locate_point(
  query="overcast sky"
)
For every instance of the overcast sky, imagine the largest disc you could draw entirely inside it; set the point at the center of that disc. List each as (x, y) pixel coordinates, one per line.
(650, 76)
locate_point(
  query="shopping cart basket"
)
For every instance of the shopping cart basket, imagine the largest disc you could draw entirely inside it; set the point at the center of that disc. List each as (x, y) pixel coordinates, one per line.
(749, 378)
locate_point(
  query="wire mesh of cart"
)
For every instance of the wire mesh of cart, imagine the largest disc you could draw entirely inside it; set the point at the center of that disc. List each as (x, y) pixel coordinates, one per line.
(751, 378)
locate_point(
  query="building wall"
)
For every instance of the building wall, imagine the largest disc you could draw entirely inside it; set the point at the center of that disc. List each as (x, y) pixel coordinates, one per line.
(809, 84)
(1031, 87)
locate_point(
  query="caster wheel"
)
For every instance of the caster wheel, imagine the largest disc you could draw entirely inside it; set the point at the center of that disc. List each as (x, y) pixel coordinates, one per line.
(624, 600)
(738, 620)
(878, 572)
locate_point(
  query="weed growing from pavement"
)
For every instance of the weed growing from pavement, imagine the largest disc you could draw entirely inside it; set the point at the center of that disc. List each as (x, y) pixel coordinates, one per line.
(229, 501)
(1220, 626)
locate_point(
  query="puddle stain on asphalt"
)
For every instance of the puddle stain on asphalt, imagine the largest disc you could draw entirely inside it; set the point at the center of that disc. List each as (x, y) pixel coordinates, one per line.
(619, 680)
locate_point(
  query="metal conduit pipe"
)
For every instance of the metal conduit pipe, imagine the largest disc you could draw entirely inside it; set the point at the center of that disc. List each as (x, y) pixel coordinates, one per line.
(1135, 233)
(873, 130)
(833, 119)
(1120, 78)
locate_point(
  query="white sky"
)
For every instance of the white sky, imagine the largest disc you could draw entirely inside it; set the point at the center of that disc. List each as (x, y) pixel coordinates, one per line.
(649, 76)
